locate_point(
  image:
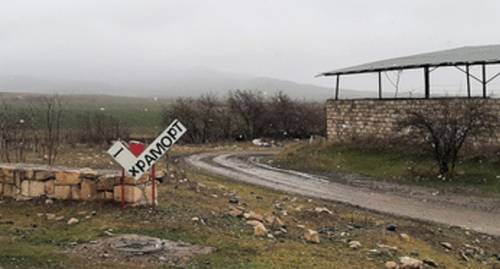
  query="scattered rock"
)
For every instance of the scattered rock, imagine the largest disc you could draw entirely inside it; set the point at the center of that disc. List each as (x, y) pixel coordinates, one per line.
(253, 215)
(410, 263)
(51, 216)
(279, 232)
(405, 237)
(235, 213)
(391, 265)
(391, 227)
(108, 233)
(447, 245)
(254, 223)
(49, 201)
(354, 245)
(311, 236)
(233, 201)
(274, 221)
(61, 218)
(72, 221)
(387, 247)
(40, 215)
(258, 198)
(430, 262)
(259, 230)
(463, 256)
(195, 219)
(81, 213)
(323, 210)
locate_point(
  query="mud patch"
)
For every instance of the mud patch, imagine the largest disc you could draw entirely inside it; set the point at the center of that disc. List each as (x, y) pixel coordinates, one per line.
(139, 249)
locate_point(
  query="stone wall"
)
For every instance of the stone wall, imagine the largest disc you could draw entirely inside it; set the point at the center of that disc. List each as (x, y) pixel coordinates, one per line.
(350, 120)
(28, 181)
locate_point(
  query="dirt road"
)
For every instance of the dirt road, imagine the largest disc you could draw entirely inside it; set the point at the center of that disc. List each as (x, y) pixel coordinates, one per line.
(476, 213)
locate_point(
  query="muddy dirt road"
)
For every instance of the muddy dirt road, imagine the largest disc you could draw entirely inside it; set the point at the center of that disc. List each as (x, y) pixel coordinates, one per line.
(476, 213)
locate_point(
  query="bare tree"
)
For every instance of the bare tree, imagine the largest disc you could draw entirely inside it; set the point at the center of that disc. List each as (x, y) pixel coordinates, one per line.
(250, 107)
(52, 108)
(186, 111)
(107, 128)
(446, 124)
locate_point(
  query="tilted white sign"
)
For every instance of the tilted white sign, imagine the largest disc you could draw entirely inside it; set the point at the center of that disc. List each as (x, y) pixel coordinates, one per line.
(136, 167)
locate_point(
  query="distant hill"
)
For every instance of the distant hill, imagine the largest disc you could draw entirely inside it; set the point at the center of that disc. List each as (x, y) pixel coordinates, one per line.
(188, 83)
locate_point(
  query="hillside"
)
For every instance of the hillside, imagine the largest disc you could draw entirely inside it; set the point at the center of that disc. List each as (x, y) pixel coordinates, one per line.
(173, 84)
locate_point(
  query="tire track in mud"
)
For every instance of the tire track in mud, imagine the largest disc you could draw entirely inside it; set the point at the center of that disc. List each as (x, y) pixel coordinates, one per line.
(244, 166)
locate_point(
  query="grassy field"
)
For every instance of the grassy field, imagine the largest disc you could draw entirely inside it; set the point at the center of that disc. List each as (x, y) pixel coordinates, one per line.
(400, 164)
(28, 240)
(140, 115)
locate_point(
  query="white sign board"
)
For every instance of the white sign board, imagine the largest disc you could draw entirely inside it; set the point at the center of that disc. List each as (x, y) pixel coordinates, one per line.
(136, 167)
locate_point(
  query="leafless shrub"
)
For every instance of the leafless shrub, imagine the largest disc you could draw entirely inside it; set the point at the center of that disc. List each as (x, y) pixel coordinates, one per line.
(51, 108)
(248, 113)
(100, 128)
(250, 108)
(446, 125)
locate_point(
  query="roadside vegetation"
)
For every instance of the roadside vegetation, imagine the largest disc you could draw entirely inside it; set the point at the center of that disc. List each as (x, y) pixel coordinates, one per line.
(475, 169)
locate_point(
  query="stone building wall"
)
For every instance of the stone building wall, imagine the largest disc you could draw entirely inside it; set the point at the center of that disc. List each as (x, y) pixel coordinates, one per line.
(28, 181)
(350, 120)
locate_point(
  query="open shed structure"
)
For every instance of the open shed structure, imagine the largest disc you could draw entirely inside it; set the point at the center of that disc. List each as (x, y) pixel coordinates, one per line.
(461, 58)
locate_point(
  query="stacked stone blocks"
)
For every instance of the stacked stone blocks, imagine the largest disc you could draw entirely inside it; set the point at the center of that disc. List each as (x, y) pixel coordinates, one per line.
(26, 180)
(350, 120)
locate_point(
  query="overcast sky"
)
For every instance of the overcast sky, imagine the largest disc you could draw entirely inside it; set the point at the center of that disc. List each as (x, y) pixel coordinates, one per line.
(293, 40)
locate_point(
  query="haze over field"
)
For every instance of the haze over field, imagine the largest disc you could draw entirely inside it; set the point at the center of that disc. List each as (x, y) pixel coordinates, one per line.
(184, 48)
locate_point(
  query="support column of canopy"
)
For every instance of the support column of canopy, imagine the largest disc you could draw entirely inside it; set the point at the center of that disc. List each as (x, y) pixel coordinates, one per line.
(427, 85)
(337, 88)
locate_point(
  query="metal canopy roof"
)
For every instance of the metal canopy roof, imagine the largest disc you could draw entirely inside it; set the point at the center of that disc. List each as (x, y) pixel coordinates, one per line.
(461, 56)
(466, 56)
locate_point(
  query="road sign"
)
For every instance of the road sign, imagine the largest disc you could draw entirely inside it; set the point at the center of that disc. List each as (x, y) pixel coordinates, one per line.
(137, 166)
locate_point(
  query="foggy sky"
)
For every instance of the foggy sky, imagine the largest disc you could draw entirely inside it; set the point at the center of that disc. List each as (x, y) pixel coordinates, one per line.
(293, 40)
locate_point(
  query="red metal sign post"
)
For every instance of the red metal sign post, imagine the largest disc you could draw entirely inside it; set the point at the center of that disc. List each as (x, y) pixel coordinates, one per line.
(153, 177)
(123, 190)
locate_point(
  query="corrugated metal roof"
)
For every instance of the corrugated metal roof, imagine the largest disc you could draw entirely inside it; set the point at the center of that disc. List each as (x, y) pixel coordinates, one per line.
(461, 56)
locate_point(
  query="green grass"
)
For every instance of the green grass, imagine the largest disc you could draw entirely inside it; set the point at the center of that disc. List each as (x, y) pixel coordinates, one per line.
(140, 115)
(395, 163)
